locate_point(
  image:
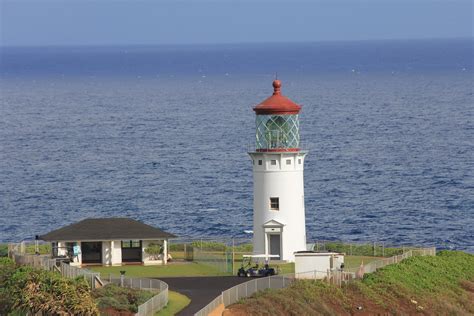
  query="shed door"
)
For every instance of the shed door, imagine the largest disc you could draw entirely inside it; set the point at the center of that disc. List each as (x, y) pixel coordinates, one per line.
(131, 251)
(275, 245)
(91, 252)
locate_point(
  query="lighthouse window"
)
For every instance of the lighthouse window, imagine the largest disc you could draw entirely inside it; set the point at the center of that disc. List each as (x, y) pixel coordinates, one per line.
(299, 161)
(274, 203)
(288, 161)
(259, 162)
(273, 162)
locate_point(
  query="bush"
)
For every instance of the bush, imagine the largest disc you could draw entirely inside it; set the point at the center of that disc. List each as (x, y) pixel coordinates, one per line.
(7, 267)
(111, 302)
(3, 250)
(154, 250)
(39, 291)
(176, 247)
(121, 298)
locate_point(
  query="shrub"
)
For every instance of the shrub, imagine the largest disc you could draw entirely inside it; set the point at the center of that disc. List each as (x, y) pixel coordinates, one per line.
(176, 247)
(7, 267)
(154, 250)
(121, 298)
(39, 291)
(111, 302)
(3, 250)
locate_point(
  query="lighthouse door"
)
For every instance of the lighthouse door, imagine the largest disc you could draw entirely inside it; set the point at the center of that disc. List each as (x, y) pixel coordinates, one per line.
(275, 245)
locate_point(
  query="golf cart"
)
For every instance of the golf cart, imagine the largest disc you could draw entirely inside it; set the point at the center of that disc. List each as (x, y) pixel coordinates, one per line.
(251, 268)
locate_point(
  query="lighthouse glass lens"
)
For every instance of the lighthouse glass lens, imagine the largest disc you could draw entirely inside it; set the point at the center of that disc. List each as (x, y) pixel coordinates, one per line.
(277, 132)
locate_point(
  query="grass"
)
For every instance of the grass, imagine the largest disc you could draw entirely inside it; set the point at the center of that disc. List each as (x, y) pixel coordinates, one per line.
(176, 303)
(442, 284)
(170, 270)
(197, 269)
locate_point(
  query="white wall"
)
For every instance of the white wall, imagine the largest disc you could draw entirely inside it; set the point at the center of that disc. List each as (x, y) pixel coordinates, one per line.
(316, 265)
(116, 251)
(106, 253)
(285, 182)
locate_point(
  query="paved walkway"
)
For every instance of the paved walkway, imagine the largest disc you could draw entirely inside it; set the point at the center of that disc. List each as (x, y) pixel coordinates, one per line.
(201, 290)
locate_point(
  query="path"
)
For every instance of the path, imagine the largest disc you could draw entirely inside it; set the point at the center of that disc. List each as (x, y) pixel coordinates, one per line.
(201, 290)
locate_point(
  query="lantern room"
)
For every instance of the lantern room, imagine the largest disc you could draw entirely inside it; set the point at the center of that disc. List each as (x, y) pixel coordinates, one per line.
(277, 123)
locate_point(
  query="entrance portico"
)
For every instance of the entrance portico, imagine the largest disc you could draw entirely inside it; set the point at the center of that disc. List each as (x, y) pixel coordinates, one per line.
(273, 231)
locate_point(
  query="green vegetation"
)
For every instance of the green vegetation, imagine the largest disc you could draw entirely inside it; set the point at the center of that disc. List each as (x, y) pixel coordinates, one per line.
(370, 250)
(154, 250)
(43, 249)
(25, 289)
(3, 250)
(119, 298)
(442, 284)
(170, 270)
(176, 303)
(212, 246)
(29, 248)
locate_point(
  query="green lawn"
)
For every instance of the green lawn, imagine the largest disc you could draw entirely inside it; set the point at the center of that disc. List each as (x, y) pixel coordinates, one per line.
(197, 269)
(170, 270)
(176, 302)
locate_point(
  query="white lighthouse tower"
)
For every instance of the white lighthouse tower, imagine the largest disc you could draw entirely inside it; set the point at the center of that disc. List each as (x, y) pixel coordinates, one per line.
(278, 205)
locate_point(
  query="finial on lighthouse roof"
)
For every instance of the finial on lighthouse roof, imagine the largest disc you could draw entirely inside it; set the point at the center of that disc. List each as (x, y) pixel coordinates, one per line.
(277, 104)
(276, 87)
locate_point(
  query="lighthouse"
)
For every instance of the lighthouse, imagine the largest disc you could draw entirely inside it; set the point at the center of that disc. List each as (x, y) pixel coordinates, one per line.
(278, 205)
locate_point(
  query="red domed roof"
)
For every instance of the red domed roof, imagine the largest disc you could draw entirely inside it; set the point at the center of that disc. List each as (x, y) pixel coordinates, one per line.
(277, 103)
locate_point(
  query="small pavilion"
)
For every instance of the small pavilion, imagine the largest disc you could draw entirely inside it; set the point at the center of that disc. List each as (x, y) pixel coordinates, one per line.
(109, 241)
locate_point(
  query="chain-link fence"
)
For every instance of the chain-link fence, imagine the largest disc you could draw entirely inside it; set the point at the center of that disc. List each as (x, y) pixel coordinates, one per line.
(223, 255)
(362, 248)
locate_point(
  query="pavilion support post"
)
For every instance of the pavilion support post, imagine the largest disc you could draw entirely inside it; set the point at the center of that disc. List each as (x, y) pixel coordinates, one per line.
(165, 251)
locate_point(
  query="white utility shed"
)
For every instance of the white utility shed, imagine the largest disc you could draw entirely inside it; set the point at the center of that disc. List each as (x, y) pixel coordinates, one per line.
(315, 265)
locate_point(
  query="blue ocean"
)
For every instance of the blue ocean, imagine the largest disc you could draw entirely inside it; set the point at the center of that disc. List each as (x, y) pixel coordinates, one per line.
(161, 134)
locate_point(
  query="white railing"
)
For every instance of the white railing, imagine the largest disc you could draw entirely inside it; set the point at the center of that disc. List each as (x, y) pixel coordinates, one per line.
(214, 304)
(93, 278)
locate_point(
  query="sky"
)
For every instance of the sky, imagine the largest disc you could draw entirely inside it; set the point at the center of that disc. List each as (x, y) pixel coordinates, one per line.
(146, 22)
